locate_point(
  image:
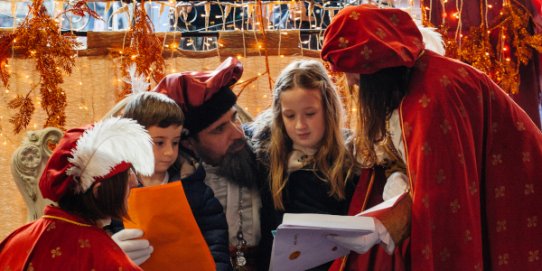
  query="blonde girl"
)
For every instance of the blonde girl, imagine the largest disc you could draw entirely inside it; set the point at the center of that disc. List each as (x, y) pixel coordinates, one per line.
(307, 148)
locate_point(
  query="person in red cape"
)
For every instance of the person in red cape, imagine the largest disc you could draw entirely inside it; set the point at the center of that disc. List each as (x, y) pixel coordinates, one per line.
(89, 175)
(470, 153)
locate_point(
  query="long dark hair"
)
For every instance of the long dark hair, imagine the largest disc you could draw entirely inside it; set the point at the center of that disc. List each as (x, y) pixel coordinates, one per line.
(379, 94)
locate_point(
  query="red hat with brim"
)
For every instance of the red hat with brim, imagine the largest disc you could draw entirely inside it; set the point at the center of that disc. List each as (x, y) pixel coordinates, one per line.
(203, 96)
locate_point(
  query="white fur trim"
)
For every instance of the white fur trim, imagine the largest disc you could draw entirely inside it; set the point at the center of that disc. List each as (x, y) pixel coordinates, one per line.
(107, 144)
(432, 39)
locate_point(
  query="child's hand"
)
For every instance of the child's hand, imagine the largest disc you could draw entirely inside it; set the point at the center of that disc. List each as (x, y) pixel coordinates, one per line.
(139, 250)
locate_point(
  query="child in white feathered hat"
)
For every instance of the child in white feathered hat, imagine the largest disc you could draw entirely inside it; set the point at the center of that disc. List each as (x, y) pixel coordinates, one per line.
(89, 175)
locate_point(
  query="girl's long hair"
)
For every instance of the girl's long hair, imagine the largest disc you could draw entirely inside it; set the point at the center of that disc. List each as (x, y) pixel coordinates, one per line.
(333, 160)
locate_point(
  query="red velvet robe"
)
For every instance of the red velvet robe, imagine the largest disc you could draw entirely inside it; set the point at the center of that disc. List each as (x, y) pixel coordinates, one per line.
(474, 159)
(61, 241)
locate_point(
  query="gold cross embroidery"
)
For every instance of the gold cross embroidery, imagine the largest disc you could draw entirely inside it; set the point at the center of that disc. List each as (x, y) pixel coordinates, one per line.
(84, 243)
(520, 126)
(532, 221)
(445, 81)
(426, 252)
(473, 188)
(343, 43)
(468, 236)
(526, 157)
(56, 252)
(424, 101)
(426, 148)
(501, 225)
(51, 226)
(463, 72)
(380, 33)
(499, 192)
(445, 126)
(496, 159)
(529, 189)
(503, 259)
(455, 206)
(366, 52)
(534, 255)
(354, 15)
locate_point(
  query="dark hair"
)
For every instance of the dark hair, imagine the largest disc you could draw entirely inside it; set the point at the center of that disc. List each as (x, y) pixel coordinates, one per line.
(379, 94)
(154, 109)
(108, 202)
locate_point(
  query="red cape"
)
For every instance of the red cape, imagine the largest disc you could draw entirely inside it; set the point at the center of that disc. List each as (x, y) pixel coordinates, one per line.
(61, 241)
(473, 158)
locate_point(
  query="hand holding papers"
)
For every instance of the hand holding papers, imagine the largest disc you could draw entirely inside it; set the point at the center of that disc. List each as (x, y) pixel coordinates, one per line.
(307, 240)
(301, 241)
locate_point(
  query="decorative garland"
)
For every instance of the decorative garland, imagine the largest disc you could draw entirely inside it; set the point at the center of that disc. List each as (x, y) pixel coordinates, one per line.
(145, 49)
(497, 50)
(38, 37)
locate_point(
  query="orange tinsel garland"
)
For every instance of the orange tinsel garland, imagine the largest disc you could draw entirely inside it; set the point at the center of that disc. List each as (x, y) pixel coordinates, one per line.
(145, 49)
(498, 50)
(39, 37)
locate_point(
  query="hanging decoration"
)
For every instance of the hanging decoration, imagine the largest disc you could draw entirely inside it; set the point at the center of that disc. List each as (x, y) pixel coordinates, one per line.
(145, 49)
(38, 37)
(81, 8)
(497, 50)
(21, 119)
(263, 26)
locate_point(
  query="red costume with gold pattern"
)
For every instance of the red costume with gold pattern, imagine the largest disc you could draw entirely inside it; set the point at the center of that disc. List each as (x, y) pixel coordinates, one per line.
(473, 155)
(61, 241)
(83, 159)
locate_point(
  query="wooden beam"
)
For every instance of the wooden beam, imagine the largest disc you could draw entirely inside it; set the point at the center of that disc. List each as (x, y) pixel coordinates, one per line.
(230, 43)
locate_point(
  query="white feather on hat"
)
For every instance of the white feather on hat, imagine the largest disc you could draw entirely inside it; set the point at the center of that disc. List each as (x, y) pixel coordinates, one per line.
(138, 82)
(106, 145)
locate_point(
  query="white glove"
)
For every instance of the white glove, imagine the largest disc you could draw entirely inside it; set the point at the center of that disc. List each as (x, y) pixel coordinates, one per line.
(364, 243)
(396, 184)
(139, 250)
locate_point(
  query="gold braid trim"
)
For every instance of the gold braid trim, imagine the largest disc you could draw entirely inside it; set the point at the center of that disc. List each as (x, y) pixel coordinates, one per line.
(67, 220)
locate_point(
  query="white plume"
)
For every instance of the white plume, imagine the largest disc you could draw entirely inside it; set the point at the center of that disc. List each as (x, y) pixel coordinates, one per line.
(432, 39)
(107, 144)
(138, 82)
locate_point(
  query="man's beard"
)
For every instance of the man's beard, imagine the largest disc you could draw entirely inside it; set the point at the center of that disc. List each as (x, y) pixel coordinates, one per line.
(240, 167)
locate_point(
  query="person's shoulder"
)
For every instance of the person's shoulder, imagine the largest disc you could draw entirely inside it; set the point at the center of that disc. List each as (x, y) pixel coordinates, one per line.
(432, 61)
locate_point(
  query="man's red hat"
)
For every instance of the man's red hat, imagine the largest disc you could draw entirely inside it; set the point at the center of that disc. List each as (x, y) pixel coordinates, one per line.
(203, 96)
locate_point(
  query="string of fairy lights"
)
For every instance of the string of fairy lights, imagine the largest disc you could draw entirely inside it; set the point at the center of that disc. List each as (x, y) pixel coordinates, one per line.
(513, 44)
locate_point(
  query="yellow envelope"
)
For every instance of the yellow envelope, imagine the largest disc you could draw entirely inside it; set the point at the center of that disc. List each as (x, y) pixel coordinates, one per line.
(164, 215)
